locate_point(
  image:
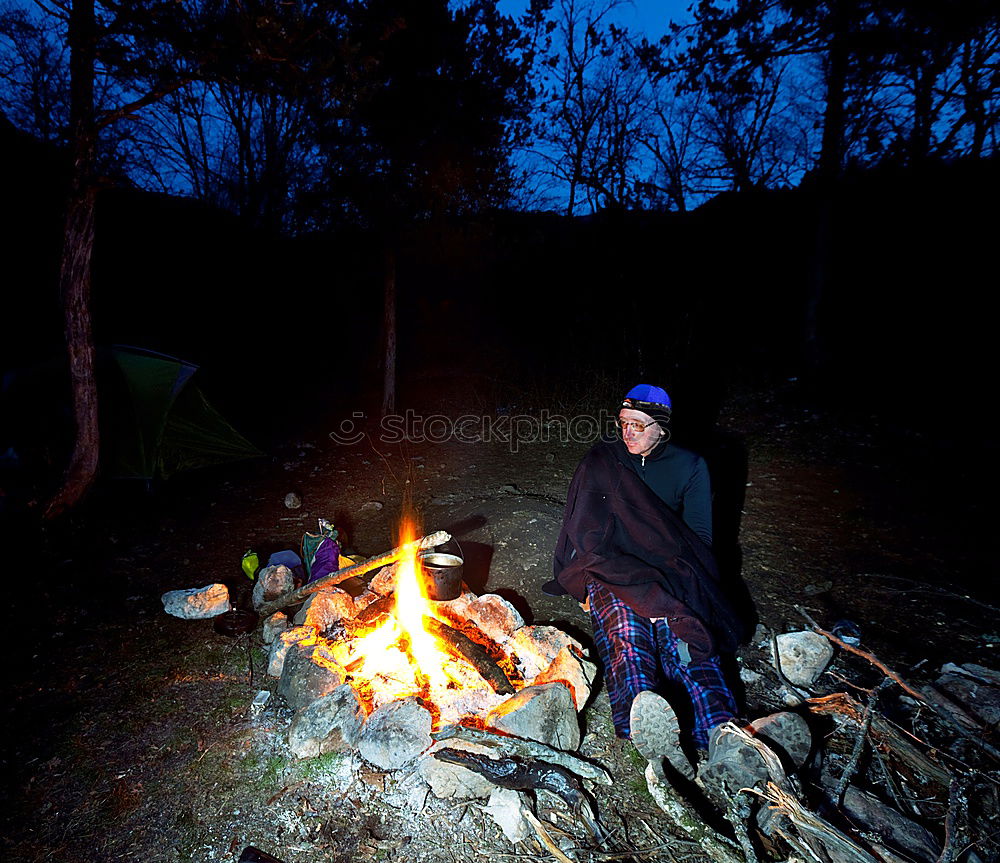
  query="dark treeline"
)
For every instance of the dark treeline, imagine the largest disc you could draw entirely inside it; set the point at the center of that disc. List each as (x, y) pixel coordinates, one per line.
(785, 187)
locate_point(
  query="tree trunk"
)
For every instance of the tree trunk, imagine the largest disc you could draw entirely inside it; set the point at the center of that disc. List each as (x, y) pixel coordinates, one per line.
(389, 328)
(74, 269)
(829, 168)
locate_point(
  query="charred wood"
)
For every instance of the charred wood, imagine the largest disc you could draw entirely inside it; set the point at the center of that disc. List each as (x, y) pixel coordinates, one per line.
(465, 647)
(508, 746)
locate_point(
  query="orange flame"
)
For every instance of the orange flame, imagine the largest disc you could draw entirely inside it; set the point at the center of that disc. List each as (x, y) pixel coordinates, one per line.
(385, 654)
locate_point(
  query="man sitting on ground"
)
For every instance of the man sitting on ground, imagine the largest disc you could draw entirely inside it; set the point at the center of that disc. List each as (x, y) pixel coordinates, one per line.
(635, 547)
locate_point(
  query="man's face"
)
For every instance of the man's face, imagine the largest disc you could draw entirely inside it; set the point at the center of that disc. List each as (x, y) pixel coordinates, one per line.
(639, 442)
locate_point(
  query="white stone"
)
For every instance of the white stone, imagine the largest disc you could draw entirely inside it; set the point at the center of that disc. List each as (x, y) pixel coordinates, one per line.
(292, 500)
(803, 656)
(325, 608)
(197, 602)
(505, 808)
(272, 582)
(494, 616)
(273, 626)
(396, 733)
(573, 670)
(279, 649)
(534, 647)
(544, 713)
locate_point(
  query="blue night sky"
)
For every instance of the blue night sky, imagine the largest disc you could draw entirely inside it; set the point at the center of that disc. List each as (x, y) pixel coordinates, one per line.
(644, 16)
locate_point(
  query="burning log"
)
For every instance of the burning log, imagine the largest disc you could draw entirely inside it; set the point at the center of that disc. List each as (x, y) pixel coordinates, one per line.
(462, 645)
(297, 595)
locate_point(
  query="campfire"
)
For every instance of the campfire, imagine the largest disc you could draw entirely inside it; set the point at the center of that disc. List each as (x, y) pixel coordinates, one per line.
(388, 660)
(419, 648)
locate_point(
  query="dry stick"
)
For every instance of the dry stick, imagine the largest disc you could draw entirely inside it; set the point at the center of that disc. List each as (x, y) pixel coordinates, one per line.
(738, 814)
(940, 710)
(543, 834)
(340, 575)
(859, 742)
(715, 846)
(957, 802)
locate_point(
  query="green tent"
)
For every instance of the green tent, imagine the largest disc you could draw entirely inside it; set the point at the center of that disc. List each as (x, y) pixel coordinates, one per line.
(166, 424)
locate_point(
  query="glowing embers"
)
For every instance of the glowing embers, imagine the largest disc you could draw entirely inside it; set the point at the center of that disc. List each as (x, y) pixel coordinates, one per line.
(400, 657)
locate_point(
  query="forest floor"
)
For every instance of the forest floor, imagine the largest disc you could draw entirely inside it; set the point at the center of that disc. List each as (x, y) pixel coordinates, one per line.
(128, 733)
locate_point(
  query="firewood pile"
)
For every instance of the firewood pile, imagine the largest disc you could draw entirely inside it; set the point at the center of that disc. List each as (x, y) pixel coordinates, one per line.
(900, 769)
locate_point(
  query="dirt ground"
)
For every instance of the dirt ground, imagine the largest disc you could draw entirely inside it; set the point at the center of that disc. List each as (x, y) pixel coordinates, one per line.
(128, 734)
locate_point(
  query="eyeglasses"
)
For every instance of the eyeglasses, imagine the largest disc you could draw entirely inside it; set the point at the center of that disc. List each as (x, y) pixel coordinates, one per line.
(634, 427)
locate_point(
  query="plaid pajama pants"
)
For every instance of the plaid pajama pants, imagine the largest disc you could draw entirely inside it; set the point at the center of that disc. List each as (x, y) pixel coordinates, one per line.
(640, 654)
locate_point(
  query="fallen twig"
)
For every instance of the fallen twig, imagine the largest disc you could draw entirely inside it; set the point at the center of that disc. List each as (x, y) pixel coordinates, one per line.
(859, 742)
(939, 708)
(543, 835)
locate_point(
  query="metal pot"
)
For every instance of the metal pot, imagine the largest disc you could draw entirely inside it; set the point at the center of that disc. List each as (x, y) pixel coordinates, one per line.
(442, 575)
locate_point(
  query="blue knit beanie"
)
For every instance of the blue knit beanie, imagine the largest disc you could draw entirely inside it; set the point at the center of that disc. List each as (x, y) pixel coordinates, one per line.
(651, 400)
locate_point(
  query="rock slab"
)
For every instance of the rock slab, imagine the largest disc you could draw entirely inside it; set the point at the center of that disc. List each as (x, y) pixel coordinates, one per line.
(396, 733)
(545, 713)
(331, 723)
(197, 603)
(309, 671)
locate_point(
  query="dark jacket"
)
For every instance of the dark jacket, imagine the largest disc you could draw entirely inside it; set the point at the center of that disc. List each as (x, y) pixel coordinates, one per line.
(680, 479)
(618, 531)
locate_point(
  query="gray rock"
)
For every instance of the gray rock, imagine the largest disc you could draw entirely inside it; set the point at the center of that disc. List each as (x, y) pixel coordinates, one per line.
(573, 670)
(331, 723)
(292, 500)
(505, 809)
(384, 581)
(309, 672)
(452, 781)
(494, 616)
(272, 582)
(325, 608)
(273, 626)
(803, 656)
(279, 648)
(895, 828)
(396, 733)
(544, 713)
(534, 647)
(197, 602)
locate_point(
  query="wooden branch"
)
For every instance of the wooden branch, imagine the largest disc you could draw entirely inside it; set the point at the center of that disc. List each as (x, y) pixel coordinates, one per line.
(459, 643)
(888, 734)
(519, 774)
(859, 743)
(506, 745)
(939, 708)
(810, 826)
(689, 822)
(543, 835)
(340, 575)
(958, 803)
